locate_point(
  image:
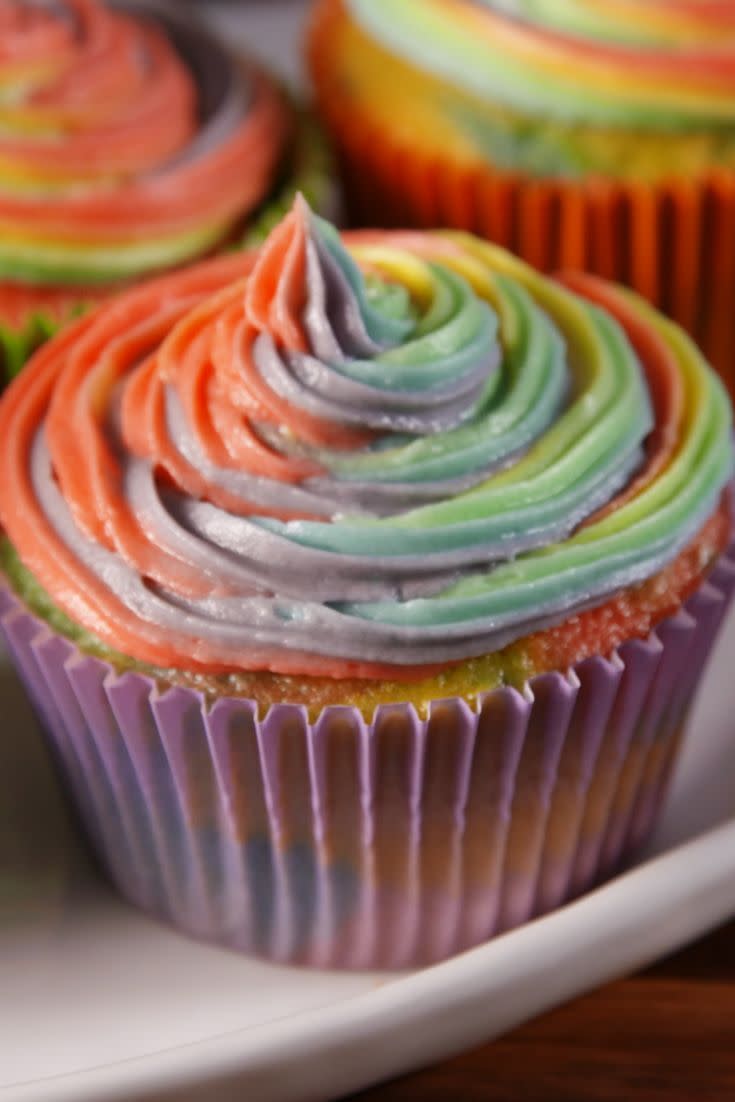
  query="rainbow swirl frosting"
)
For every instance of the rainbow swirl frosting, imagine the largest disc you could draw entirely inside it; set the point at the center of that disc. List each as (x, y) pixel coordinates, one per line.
(663, 64)
(364, 459)
(129, 140)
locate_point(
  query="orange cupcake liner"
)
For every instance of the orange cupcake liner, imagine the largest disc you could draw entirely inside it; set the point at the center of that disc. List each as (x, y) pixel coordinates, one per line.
(672, 241)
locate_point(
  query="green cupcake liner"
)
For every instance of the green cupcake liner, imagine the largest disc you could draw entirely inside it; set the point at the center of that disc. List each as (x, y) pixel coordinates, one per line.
(17, 346)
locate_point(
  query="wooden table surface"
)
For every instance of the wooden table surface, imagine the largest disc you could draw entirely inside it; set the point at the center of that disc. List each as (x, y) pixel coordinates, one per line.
(666, 1035)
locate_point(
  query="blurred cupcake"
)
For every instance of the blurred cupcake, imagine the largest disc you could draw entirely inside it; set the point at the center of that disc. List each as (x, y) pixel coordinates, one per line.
(131, 141)
(363, 585)
(593, 135)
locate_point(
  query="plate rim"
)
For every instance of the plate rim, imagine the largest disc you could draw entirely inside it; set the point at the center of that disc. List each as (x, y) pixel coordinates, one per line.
(448, 1005)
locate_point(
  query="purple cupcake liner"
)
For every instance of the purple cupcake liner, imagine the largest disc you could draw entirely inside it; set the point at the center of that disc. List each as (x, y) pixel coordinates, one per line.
(386, 845)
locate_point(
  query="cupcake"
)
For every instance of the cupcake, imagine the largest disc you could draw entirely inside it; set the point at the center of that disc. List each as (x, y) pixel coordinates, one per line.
(593, 135)
(363, 584)
(131, 141)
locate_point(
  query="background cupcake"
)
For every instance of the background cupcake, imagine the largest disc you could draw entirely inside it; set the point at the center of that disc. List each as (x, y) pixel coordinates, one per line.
(130, 141)
(597, 136)
(363, 593)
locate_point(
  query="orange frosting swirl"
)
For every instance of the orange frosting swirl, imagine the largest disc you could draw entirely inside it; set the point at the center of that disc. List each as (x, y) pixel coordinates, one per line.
(130, 140)
(372, 457)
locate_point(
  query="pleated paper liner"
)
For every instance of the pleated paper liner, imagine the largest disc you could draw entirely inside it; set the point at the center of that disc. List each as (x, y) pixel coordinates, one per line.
(388, 844)
(672, 241)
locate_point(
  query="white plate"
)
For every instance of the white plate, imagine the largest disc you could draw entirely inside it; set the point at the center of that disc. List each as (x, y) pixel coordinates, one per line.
(99, 1003)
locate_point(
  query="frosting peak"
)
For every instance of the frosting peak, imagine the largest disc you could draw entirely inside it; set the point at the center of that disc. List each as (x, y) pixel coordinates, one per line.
(328, 361)
(308, 294)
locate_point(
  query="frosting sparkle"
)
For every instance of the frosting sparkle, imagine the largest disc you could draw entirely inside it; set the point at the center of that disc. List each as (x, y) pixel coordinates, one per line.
(358, 458)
